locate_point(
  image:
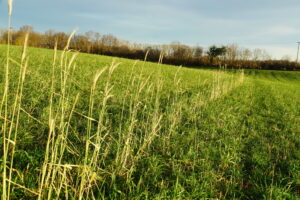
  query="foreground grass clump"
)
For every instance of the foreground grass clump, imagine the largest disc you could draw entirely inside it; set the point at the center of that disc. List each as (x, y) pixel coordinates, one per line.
(94, 127)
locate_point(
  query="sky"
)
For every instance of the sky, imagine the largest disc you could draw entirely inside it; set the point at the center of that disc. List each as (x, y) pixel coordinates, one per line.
(273, 25)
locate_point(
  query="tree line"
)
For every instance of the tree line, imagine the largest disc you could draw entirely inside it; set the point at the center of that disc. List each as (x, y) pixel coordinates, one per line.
(229, 56)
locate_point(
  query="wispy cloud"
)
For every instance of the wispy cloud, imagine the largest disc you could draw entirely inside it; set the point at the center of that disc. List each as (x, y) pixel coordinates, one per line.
(279, 31)
(272, 24)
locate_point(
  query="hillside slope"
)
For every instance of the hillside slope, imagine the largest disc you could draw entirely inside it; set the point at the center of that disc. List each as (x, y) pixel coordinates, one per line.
(88, 126)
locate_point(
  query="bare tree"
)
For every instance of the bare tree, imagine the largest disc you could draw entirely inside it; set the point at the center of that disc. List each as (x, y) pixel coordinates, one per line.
(109, 40)
(232, 52)
(197, 52)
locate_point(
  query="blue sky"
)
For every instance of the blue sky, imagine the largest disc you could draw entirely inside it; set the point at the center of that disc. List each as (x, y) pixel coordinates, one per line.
(270, 24)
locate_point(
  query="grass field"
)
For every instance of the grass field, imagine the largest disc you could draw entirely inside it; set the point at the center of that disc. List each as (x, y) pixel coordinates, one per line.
(97, 127)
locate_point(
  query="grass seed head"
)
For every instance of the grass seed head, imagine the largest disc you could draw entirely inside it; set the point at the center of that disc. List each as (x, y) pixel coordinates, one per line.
(10, 6)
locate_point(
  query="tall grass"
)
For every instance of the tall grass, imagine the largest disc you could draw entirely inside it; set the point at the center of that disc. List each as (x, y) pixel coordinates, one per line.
(111, 150)
(140, 125)
(136, 131)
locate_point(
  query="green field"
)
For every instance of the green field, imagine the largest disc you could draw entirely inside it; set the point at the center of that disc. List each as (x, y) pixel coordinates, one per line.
(99, 127)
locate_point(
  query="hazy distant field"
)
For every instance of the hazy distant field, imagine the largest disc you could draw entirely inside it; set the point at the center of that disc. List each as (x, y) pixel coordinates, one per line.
(99, 129)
